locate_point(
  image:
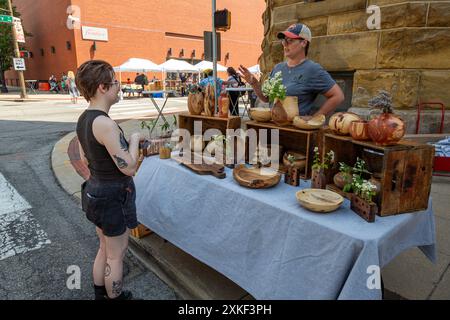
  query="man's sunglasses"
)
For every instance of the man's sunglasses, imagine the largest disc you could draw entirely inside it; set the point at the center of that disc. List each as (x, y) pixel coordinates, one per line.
(288, 41)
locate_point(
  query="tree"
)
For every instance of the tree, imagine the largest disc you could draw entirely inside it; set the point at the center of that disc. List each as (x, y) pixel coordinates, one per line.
(6, 44)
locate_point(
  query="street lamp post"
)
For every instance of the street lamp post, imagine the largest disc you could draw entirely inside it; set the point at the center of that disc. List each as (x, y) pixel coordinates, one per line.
(214, 44)
(23, 90)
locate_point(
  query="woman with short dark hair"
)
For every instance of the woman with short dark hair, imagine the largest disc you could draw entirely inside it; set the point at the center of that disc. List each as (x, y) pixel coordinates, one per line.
(108, 197)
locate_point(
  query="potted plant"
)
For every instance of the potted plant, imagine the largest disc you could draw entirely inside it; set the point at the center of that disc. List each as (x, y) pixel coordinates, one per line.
(387, 128)
(361, 202)
(318, 175)
(165, 151)
(343, 179)
(292, 175)
(284, 109)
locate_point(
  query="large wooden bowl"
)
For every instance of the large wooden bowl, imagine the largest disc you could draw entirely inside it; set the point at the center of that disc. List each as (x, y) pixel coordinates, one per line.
(313, 123)
(299, 162)
(260, 114)
(256, 178)
(319, 200)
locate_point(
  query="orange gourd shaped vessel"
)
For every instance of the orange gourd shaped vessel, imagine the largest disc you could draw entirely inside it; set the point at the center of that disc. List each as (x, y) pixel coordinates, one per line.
(359, 130)
(386, 129)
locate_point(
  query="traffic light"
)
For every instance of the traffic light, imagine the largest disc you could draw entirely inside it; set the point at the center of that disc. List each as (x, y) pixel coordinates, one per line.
(24, 54)
(222, 20)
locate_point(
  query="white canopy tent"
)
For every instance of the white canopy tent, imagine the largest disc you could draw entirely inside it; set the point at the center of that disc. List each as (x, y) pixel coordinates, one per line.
(255, 69)
(174, 65)
(201, 66)
(137, 65)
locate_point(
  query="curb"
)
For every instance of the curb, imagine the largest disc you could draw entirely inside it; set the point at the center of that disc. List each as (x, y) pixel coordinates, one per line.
(62, 167)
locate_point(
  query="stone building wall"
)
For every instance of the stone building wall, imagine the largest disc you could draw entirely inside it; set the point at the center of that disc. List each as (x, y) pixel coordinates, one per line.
(409, 56)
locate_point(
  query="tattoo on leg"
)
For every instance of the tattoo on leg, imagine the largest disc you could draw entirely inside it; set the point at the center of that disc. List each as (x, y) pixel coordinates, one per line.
(117, 287)
(107, 270)
(122, 164)
(123, 142)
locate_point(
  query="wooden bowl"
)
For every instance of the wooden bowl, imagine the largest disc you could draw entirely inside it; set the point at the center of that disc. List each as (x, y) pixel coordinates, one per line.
(299, 162)
(319, 200)
(313, 123)
(260, 114)
(256, 178)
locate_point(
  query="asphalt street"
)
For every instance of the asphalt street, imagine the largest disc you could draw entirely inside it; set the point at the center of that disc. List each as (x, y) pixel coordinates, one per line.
(44, 234)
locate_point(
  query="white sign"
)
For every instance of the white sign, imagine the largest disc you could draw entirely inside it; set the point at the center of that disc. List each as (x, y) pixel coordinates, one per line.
(19, 30)
(92, 33)
(19, 64)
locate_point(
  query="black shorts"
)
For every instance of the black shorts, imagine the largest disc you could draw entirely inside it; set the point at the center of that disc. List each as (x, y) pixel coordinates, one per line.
(110, 205)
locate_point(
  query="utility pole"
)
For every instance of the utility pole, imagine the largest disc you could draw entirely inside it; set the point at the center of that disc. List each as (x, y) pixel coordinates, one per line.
(214, 44)
(23, 90)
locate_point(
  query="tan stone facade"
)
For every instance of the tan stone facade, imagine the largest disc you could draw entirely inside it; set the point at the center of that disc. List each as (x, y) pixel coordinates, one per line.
(409, 56)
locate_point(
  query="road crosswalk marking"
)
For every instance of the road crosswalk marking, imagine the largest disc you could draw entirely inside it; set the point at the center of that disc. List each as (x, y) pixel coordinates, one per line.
(19, 230)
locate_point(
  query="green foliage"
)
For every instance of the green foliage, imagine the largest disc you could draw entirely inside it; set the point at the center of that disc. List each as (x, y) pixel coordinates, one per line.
(362, 187)
(327, 161)
(273, 88)
(6, 38)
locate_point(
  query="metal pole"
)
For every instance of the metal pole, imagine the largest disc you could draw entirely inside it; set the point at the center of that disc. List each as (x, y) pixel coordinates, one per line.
(214, 43)
(23, 90)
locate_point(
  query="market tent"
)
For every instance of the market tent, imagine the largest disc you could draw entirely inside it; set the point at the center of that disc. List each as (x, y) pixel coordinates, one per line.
(174, 65)
(137, 65)
(201, 66)
(254, 69)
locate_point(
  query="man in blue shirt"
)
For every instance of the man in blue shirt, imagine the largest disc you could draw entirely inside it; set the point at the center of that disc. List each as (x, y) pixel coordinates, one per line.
(209, 80)
(301, 77)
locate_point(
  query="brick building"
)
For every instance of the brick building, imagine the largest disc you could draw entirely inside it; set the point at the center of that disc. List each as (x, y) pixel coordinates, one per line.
(154, 30)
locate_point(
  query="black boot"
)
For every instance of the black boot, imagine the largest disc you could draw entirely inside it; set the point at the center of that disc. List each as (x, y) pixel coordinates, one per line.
(100, 293)
(125, 295)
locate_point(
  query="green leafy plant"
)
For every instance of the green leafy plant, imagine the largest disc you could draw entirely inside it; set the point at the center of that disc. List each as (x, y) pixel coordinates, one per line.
(346, 170)
(273, 88)
(364, 188)
(360, 167)
(149, 124)
(327, 161)
(291, 158)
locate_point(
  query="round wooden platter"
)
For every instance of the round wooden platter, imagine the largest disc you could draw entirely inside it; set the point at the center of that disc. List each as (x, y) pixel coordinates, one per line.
(319, 200)
(256, 178)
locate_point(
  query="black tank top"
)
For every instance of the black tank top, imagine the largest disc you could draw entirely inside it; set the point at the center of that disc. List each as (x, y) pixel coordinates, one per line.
(101, 165)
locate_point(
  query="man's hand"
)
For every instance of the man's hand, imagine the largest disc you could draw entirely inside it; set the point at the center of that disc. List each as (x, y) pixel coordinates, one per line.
(247, 75)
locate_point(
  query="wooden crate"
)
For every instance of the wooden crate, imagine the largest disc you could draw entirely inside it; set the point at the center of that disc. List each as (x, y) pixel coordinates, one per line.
(140, 231)
(186, 121)
(291, 139)
(406, 170)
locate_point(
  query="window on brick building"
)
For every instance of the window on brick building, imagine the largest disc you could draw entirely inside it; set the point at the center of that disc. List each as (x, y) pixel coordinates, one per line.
(68, 45)
(42, 52)
(53, 49)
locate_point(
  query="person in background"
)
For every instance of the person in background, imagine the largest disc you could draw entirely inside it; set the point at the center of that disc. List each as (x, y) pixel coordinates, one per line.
(209, 80)
(302, 77)
(234, 81)
(108, 197)
(74, 93)
(64, 83)
(53, 84)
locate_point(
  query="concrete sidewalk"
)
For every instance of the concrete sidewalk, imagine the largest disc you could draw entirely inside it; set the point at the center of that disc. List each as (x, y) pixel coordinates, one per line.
(408, 276)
